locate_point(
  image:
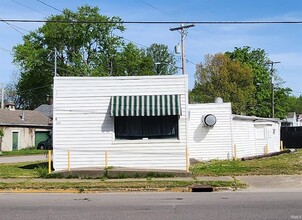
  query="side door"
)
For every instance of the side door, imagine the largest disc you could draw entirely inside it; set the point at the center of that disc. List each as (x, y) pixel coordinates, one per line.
(15, 140)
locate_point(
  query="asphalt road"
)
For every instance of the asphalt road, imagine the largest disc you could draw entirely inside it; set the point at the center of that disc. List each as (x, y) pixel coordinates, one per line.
(109, 206)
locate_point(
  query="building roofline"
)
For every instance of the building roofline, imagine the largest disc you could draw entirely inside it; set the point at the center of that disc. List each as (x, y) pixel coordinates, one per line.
(255, 118)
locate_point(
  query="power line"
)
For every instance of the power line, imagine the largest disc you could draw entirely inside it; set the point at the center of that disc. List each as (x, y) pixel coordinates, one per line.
(149, 22)
(6, 50)
(12, 26)
(49, 5)
(296, 92)
(153, 7)
(191, 62)
(28, 7)
(36, 88)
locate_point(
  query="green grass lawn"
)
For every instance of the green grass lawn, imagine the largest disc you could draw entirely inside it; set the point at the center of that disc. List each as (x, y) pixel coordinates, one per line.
(28, 170)
(277, 165)
(287, 164)
(22, 152)
(107, 186)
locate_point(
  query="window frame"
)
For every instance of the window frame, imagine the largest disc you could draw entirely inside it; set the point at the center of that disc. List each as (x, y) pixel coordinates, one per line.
(149, 138)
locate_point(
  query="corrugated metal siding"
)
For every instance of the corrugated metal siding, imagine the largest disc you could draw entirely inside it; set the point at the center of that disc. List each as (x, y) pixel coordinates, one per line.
(82, 123)
(207, 143)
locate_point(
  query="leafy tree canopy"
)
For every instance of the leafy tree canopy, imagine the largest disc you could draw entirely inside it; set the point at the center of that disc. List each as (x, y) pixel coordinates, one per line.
(83, 49)
(164, 61)
(295, 104)
(259, 62)
(220, 76)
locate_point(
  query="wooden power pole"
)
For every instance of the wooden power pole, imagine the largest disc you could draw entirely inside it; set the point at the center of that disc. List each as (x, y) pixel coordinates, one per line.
(182, 30)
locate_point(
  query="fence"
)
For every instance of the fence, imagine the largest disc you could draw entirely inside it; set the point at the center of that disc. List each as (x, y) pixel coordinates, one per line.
(291, 137)
(67, 159)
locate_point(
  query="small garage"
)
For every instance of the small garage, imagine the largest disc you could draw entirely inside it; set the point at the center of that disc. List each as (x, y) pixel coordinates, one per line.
(41, 136)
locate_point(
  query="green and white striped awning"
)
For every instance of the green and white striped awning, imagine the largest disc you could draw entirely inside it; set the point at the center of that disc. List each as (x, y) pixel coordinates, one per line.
(146, 105)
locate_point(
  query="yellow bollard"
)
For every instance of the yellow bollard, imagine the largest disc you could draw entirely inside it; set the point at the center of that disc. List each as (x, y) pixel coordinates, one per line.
(266, 149)
(187, 159)
(281, 145)
(106, 159)
(235, 152)
(49, 161)
(68, 160)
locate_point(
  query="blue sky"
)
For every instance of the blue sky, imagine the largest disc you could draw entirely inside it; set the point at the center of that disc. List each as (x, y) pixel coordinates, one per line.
(282, 42)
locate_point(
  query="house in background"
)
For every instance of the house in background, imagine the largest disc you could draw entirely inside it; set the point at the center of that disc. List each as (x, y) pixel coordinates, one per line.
(291, 131)
(46, 110)
(22, 128)
(299, 120)
(146, 122)
(292, 120)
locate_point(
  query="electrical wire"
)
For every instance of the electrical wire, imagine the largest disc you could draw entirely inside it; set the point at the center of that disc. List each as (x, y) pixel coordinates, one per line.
(148, 22)
(153, 7)
(6, 50)
(36, 88)
(28, 7)
(49, 5)
(12, 26)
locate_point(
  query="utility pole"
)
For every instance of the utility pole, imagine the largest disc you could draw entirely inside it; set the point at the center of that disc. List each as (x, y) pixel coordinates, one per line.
(272, 82)
(182, 30)
(2, 96)
(55, 61)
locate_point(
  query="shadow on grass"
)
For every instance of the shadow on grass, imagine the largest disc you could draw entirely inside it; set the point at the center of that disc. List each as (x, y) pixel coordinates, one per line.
(36, 166)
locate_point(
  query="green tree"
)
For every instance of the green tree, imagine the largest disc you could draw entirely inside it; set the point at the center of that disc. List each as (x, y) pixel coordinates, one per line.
(11, 93)
(164, 60)
(220, 76)
(88, 49)
(295, 104)
(133, 61)
(298, 108)
(259, 62)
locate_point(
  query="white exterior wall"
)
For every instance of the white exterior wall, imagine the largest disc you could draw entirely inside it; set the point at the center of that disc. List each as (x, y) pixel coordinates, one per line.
(249, 134)
(206, 143)
(26, 137)
(251, 137)
(82, 123)
(244, 137)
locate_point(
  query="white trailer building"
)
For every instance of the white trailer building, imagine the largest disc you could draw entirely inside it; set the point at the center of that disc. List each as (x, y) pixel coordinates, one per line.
(146, 122)
(120, 121)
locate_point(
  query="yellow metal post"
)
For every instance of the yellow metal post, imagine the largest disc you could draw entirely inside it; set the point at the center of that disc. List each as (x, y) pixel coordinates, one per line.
(106, 159)
(68, 159)
(281, 145)
(266, 149)
(49, 161)
(187, 159)
(235, 152)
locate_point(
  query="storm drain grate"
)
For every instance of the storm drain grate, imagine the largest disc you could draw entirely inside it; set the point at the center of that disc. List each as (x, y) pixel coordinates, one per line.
(202, 188)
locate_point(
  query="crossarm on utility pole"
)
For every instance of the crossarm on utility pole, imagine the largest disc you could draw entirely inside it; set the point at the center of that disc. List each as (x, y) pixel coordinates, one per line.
(183, 51)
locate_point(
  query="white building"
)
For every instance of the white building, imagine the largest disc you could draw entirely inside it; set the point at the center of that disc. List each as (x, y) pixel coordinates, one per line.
(292, 120)
(140, 122)
(89, 123)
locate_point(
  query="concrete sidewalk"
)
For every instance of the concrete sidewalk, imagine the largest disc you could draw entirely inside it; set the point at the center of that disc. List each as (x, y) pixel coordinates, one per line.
(272, 182)
(20, 159)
